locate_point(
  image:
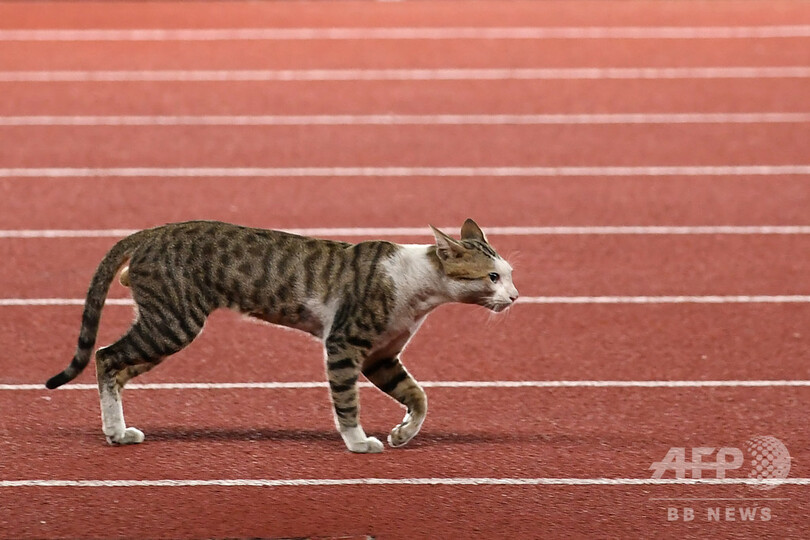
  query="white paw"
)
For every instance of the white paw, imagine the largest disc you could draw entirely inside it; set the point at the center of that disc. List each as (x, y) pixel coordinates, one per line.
(129, 436)
(356, 441)
(405, 431)
(371, 445)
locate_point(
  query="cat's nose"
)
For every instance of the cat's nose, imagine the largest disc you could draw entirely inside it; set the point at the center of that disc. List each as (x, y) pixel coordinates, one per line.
(514, 295)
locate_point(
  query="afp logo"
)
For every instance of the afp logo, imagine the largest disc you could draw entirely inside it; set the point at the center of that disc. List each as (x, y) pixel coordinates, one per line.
(769, 461)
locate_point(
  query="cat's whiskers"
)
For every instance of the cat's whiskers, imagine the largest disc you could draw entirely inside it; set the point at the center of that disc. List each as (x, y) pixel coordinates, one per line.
(497, 314)
(514, 257)
(492, 318)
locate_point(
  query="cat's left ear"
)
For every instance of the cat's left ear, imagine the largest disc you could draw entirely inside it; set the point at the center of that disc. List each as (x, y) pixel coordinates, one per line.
(447, 247)
(471, 231)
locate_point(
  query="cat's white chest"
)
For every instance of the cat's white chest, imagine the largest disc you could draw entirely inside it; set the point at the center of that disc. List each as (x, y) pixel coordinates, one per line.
(414, 282)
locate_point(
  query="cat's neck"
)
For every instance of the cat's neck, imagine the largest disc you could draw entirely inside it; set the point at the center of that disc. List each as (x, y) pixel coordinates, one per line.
(418, 277)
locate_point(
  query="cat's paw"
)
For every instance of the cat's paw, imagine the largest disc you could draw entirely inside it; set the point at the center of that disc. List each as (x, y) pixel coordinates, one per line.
(128, 436)
(356, 441)
(405, 431)
(371, 445)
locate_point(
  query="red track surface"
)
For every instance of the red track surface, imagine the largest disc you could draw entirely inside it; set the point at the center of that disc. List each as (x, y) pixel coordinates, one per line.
(128, 203)
(368, 146)
(407, 97)
(391, 55)
(501, 432)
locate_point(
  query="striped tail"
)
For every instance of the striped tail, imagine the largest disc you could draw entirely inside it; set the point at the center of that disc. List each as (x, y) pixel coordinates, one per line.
(96, 295)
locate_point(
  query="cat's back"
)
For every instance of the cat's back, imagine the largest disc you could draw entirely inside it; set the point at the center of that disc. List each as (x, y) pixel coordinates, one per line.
(222, 239)
(215, 252)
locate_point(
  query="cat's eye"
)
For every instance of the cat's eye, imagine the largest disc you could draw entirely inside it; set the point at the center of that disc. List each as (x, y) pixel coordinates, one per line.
(494, 277)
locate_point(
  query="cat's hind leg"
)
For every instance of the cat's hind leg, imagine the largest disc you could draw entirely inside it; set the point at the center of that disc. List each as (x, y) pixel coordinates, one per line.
(112, 410)
(150, 339)
(343, 369)
(390, 376)
(130, 372)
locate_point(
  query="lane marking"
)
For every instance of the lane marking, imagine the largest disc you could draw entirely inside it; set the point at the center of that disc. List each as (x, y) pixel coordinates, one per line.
(301, 385)
(402, 172)
(421, 231)
(711, 299)
(718, 499)
(309, 482)
(411, 120)
(441, 74)
(408, 33)
(18, 302)
(67, 233)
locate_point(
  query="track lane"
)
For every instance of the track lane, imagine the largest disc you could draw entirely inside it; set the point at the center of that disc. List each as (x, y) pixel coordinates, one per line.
(414, 97)
(581, 433)
(589, 265)
(394, 54)
(90, 203)
(532, 342)
(491, 433)
(313, 146)
(359, 13)
(388, 512)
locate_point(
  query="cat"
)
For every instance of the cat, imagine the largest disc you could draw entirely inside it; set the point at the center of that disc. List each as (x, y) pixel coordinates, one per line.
(363, 301)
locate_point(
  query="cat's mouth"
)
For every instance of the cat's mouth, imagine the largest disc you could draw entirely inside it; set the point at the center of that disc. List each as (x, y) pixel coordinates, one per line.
(496, 306)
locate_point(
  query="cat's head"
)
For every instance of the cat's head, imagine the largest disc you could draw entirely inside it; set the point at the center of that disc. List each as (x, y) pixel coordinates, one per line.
(478, 275)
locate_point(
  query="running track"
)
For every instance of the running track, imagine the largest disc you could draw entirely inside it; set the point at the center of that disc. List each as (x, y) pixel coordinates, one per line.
(579, 129)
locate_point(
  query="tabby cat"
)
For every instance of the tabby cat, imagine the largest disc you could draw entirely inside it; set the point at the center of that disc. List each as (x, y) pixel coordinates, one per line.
(363, 301)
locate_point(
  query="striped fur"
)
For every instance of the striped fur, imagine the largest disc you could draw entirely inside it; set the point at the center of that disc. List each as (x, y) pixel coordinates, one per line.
(363, 301)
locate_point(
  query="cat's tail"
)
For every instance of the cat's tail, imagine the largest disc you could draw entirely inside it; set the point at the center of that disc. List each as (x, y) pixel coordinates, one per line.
(96, 295)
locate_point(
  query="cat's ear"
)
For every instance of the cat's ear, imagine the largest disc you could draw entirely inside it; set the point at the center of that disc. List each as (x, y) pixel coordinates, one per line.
(471, 231)
(447, 247)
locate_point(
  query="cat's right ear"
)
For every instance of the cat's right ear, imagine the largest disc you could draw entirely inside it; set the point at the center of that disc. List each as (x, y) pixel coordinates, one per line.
(471, 231)
(447, 247)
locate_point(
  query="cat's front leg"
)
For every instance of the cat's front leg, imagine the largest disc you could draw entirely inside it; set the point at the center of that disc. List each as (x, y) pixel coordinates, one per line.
(390, 376)
(343, 363)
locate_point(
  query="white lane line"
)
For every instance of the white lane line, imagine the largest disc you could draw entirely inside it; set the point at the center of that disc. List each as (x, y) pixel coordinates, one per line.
(422, 231)
(67, 233)
(403, 172)
(411, 120)
(18, 302)
(712, 299)
(300, 385)
(441, 74)
(308, 482)
(408, 33)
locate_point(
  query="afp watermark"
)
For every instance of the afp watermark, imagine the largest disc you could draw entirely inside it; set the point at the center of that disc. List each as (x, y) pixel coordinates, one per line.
(764, 461)
(769, 462)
